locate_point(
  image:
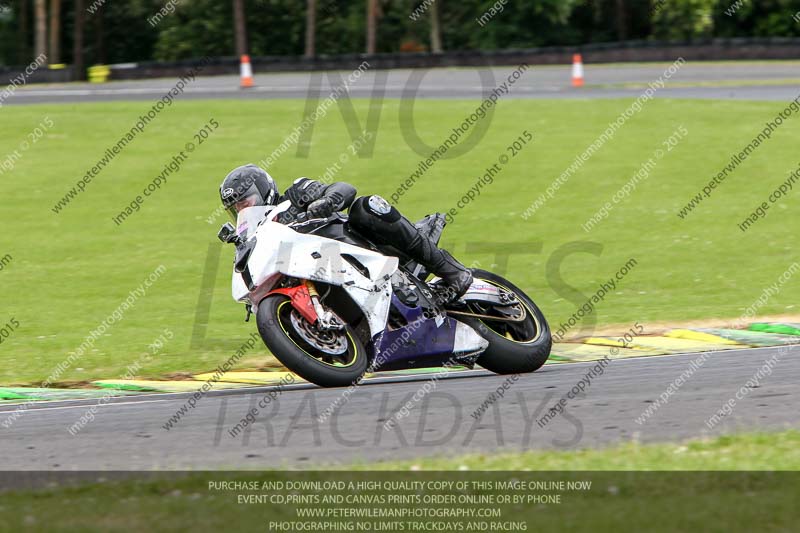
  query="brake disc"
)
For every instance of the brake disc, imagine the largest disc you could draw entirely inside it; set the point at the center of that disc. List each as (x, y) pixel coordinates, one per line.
(328, 341)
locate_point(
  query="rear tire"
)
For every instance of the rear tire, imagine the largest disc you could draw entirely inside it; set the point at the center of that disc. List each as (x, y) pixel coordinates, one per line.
(507, 355)
(279, 333)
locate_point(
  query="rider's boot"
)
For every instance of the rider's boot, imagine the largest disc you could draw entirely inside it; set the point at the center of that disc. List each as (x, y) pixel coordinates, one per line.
(456, 276)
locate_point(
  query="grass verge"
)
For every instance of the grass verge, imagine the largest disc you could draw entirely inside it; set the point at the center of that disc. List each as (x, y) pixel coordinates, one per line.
(696, 498)
(71, 270)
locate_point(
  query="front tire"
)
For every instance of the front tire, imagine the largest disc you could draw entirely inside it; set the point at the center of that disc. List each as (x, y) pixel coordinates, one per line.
(516, 348)
(328, 359)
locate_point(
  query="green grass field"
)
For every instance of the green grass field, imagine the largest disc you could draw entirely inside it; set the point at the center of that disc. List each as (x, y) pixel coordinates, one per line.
(746, 452)
(70, 271)
(687, 490)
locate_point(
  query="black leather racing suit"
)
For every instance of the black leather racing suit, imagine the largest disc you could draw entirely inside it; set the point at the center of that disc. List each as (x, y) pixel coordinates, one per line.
(375, 218)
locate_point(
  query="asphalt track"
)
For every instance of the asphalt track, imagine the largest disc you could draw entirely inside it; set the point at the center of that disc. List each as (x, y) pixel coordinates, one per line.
(745, 81)
(128, 433)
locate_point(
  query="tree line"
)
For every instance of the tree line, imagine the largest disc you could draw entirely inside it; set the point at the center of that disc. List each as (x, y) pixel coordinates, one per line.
(84, 32)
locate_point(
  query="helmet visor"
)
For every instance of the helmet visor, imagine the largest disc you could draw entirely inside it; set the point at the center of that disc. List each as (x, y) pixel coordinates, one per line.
(237, 199)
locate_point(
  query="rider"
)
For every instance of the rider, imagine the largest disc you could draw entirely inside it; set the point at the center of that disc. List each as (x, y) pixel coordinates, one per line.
(250, 185)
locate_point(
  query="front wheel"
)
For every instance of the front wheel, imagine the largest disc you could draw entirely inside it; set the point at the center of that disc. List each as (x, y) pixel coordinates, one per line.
(514, 347)
(326, 358)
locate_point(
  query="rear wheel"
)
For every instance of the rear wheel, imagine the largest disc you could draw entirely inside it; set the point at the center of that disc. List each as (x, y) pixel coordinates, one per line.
(324, 357)
(515, 347)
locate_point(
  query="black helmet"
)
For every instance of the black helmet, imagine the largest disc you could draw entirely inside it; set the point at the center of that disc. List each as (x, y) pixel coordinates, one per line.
(247, 186)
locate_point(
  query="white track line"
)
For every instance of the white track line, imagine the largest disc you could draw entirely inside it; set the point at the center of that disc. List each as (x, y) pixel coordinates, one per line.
(84, 406)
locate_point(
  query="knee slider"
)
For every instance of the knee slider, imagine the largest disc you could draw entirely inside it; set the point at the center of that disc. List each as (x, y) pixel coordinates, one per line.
(376, 206)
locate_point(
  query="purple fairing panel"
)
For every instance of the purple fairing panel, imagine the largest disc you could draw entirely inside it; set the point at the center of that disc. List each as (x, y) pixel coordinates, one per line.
(419, 340)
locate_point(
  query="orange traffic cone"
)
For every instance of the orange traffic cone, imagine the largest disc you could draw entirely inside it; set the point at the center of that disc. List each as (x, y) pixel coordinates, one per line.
(577, 71)
(246, 72)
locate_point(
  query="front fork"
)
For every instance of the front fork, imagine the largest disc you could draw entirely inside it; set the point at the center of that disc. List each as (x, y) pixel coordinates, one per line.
(327, 319)
(305, 299)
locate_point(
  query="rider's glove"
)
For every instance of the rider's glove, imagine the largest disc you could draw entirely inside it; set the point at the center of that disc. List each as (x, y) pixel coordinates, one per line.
(321, 208)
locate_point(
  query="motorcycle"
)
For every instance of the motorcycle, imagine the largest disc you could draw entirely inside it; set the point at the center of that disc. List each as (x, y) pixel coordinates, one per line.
(332, 307)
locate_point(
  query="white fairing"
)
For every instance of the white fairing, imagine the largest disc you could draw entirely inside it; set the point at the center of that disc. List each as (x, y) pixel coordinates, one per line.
(468, 341)
(282, 251)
